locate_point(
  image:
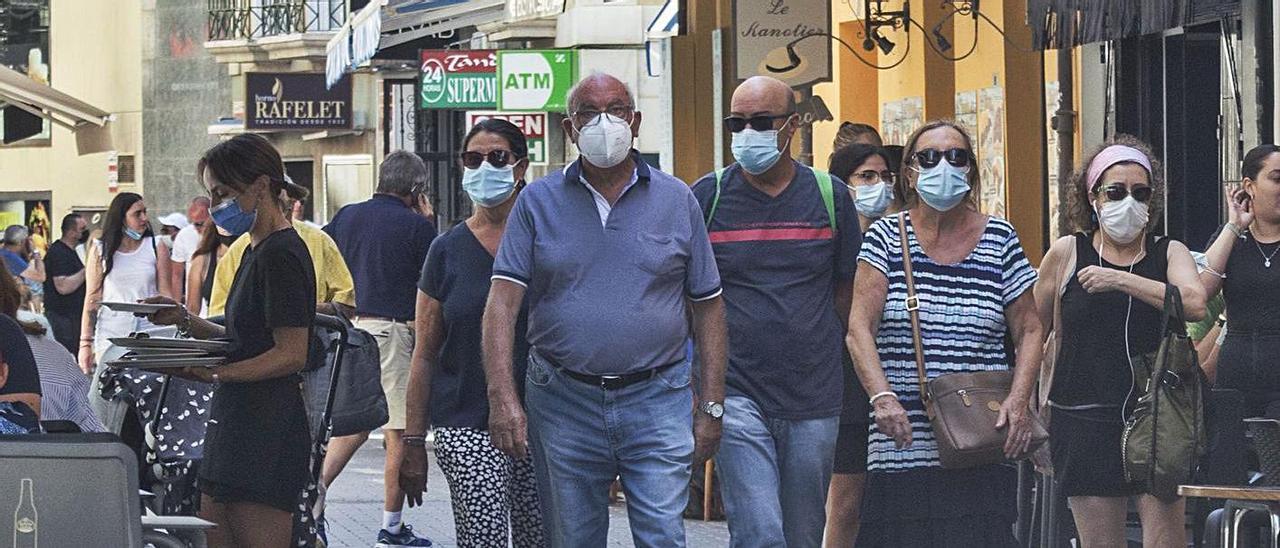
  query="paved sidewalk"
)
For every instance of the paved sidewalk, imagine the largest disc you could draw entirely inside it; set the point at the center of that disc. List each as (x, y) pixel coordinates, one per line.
(354, 508)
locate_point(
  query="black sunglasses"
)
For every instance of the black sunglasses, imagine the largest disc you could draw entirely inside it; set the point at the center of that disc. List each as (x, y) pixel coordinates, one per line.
(930, 157)
(496, 158)
(1115, 193)
(763, 122)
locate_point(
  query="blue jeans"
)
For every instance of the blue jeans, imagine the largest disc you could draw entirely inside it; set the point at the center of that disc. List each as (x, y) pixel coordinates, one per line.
(774, 475)
(584, 436)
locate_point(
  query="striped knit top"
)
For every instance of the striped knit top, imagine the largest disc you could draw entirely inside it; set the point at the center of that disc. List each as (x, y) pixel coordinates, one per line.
(962, 322)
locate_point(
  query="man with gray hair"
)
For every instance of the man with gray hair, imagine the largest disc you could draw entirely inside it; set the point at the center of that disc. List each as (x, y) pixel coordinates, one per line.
(384, 241)
(22, 260)
(611, 253)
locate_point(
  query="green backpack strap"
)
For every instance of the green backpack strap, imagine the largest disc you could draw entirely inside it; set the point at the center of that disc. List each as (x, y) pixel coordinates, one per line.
(828, 195)
(824, 188)
(715, 200)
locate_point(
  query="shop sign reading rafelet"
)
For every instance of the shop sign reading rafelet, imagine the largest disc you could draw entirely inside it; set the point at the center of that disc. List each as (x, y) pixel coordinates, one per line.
(296, 101)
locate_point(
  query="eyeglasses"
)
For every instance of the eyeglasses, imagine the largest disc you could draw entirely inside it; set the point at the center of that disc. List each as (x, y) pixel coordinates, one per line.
(496, 158)
(763, 122)
(1117, 192)
(930, 157)
(872, 176)
(584, 117)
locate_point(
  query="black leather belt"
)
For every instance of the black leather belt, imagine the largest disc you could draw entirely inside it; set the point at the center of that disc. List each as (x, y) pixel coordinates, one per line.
(617, 382)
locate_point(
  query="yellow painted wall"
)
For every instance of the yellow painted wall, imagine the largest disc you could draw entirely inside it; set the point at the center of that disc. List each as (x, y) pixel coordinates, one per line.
(927, 74)
(96, 56)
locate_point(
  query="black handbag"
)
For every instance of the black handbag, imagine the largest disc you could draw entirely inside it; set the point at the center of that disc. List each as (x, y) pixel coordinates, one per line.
(359, 404)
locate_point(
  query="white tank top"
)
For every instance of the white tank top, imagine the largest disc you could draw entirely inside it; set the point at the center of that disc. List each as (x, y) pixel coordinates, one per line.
(132, 277)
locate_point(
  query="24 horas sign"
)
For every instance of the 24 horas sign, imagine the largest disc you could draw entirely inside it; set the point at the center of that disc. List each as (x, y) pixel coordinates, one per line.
(296, 101)
(458, 79)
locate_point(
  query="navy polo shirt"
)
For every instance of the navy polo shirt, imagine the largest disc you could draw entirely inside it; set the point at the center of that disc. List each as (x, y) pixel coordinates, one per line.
(384, 243)
(608, 300)
(780, 262)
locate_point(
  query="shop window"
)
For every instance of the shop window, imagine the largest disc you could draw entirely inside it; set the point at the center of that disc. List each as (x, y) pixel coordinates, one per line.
(24, 47)
(127, 170)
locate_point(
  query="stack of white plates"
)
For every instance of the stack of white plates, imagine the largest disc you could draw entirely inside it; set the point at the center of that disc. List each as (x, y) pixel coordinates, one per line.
(162, 352)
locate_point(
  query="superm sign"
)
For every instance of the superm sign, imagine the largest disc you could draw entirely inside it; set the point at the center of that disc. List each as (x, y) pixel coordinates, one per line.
(458, 79)
(536, 80)
(296, 101)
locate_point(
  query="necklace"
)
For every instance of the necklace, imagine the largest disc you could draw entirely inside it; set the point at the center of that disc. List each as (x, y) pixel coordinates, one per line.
(1266, 259)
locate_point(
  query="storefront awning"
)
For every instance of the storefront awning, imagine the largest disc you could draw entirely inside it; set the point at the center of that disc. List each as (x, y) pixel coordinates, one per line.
(1068, 23)
(355, 43)
(667, 23)
(90, 124)
(419, 19)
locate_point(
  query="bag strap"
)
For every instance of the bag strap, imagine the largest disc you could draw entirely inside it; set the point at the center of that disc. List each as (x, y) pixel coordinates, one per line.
(1173, 312)
(1048, 363)
(715, 200)
(828, 195)
(913, 308)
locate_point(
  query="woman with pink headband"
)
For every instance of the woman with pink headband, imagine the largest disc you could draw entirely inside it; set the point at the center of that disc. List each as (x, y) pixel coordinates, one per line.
(1240, 263)
(1110, 309)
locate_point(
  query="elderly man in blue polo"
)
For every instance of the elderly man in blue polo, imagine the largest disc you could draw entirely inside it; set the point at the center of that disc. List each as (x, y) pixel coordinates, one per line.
(611, 253)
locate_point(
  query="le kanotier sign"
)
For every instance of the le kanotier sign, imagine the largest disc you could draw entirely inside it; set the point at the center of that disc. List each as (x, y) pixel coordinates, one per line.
(296, 101)
(536, 80)
(764, 28)
(532, 124)
(458, 79)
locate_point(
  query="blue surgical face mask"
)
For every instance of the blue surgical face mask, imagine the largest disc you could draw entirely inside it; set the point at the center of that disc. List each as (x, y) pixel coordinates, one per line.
(872, 200)
(133, 234)
(231, 218)
(943, 186)
(757, 151)
(489, 186)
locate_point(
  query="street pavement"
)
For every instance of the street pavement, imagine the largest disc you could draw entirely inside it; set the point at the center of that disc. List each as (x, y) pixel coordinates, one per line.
(354, 508)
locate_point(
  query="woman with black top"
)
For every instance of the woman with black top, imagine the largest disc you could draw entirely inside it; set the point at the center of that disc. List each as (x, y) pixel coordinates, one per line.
(257, 444)
(865, 170)
(1243, 263)
(494, 496)
(214, 242)
(1111, 309)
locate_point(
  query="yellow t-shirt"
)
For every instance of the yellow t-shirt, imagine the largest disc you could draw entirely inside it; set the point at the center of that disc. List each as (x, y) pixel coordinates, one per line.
(333, 279)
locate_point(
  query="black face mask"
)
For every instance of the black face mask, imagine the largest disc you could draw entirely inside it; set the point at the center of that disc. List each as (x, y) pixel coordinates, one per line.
(227, 240)
(84, 236)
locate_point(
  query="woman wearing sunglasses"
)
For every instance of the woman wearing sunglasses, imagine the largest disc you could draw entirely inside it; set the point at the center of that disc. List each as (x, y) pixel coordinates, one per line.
(1110, 309)
(974, 285)
(494, 496)
(1241, 263)
(864, 169)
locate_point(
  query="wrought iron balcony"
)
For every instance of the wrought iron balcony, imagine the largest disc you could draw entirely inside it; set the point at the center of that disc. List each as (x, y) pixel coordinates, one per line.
(250, 19)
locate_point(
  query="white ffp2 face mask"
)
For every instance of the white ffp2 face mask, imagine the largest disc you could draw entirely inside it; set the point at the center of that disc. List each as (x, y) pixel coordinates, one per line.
(606, 141)
(1124, 220)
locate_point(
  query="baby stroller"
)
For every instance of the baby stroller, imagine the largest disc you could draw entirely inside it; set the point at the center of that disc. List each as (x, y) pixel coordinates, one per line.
(174, 413)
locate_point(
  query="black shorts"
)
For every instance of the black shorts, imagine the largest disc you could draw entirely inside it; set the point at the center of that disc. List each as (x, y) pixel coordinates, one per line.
(851, 448)
(285, 500)
(1086, 448)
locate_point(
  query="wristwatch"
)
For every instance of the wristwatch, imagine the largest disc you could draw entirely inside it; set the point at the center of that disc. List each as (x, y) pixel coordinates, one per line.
(713, 408)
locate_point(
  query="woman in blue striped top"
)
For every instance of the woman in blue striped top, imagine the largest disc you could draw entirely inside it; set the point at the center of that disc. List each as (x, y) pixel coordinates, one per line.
(974, 285)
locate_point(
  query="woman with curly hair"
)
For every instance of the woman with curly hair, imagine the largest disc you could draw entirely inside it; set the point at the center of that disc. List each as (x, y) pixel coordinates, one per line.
(1111, 309)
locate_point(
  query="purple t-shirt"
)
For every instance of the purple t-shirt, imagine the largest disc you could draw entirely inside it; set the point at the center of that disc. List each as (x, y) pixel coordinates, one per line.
(780, 262)
(608, 300)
